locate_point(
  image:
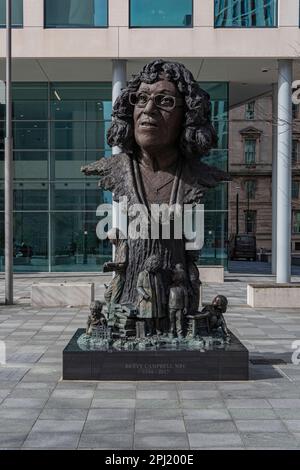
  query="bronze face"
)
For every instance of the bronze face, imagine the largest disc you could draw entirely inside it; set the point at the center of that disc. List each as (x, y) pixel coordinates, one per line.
(153, 126)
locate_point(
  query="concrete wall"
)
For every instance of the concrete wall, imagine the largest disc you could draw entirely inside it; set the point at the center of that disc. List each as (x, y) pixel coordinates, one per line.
(119, 41)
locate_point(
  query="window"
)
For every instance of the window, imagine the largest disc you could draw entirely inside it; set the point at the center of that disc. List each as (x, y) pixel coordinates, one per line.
(17, 13)
(76, 13)
(250, 151)
(249, 110)
(245, 13)
(295, 152)
(296, 221)
(250, 187)
(161, 13)
(250, 221)
(295, 189)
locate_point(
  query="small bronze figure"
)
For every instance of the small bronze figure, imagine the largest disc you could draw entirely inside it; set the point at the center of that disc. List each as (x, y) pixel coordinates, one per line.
(213, 315)
(151, 300)
(96, 318)
(178, 302)
(114, 289)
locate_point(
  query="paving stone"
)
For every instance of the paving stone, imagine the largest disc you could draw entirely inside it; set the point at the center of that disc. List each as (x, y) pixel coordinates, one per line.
(198, 394)
(73, 394)
(106, 441)
(16, 425)
(156, 395)
(160, 426)
(78, 403)
(285, 402)
(209, 426)
(293, 425)
(116, 386)
(109, 426)
(158, 413)
(247, 403)
(269, 440)
(161, 441)
(12, 440)
(52, 440)
(210, 414)
(214, 440)
(63, 414)
(202, 404)
(58, 426)
(114, 394)
(253, 413)
(260, 425)
(23, 403)
(111, 413)
(157, 403)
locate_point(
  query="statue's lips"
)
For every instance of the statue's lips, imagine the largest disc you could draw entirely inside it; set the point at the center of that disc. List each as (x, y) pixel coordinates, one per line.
(148, 125)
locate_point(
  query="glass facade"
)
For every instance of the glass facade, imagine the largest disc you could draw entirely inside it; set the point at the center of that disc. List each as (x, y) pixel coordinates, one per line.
(76, 13)
(161, 13)
(245, 13)
(216, 200)
(17, 13)
(54, 203)
(57, 128)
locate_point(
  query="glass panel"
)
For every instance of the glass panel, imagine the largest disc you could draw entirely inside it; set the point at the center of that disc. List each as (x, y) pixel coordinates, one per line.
(161, 13)
(216, 198)
(2, 135)
(76, 196)
(66, 165)
(1, 166)
(30, 165)
(214, 250)
(68, 110)
(30, 110)
(30, 135)
(75, 246)
(245, 13)
(250, 221)
(67, 135)
(30, 196)
(17, 13)
(76, 13)
(31, 242)
(2, 196)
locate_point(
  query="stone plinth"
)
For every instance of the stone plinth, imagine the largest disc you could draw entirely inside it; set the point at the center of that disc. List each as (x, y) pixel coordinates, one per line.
(270, 295)
(213, 274)
(61, 294)
(224, 363)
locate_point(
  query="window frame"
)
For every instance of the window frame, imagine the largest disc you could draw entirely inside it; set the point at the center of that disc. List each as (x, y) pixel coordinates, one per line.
(18, 26)
(250, 139)
(159, 27)
(249, 27)
(76, 27)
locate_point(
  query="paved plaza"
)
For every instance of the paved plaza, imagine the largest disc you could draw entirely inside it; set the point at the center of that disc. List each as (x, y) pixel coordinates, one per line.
(40, 411)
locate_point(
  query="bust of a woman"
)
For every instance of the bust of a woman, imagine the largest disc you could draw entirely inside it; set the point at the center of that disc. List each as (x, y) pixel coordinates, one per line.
(162, 124)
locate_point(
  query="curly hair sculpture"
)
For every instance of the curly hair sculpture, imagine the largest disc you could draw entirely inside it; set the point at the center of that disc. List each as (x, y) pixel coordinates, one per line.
(198, 135)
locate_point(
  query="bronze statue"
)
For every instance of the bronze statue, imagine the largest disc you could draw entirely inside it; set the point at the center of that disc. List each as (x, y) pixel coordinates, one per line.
(162, 123)
(178, 303)
(152, 299)
(213, 316)
(96, 318)
(114, 290)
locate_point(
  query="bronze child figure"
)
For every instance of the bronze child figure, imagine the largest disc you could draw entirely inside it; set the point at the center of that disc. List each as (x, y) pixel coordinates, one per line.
(178, 303)
(96, 318)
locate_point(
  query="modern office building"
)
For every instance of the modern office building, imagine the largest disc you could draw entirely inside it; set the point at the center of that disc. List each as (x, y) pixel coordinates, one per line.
(70, 60)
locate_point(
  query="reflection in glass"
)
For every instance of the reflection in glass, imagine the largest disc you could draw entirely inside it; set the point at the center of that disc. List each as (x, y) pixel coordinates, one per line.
(77, 196)
(75, 246)
(76, 13)
(30, 135)
(161, 13)
(30, 165)
(29, 196)
(245, 13)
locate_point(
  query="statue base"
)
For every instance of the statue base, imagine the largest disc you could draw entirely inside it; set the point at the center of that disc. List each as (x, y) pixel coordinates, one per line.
(169, 362)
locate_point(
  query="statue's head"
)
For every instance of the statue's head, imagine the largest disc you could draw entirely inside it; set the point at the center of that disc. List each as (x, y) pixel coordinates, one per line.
(220, 302)
(162, 106)
(96, 309)
(153, 264)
